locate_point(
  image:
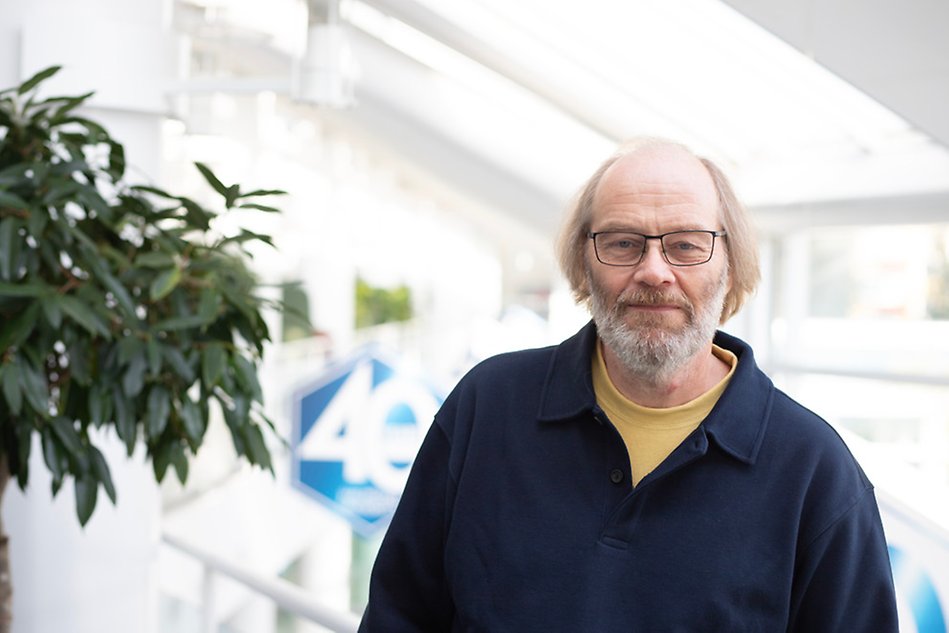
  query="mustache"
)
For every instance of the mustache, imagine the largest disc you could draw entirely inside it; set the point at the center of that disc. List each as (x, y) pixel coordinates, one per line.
(652, 297)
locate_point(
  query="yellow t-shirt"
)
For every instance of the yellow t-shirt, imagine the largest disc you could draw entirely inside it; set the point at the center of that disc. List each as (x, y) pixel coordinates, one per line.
(652, 434)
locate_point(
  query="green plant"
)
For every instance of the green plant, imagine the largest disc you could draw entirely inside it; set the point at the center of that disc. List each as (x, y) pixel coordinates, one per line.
(375, 306)
(120, 306)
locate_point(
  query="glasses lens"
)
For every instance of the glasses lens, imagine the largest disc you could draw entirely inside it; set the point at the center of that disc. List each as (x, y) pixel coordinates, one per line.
(619, 249)
(687, 248)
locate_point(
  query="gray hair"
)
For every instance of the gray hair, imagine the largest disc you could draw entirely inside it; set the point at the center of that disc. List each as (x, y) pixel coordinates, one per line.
(741, 245)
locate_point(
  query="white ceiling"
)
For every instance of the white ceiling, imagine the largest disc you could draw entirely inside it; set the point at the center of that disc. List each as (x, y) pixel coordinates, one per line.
(896, 52)
(515, 103)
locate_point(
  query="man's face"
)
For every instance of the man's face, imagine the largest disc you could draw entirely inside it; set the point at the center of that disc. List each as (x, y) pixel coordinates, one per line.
(654, 316)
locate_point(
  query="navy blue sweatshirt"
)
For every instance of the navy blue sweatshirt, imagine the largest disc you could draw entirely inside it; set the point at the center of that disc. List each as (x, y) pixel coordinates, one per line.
(519, 516)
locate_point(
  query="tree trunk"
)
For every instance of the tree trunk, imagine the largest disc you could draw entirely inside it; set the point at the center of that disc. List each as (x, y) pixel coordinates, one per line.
(6, 582)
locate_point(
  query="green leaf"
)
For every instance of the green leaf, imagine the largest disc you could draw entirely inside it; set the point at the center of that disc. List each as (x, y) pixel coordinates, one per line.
(125, 423)
(231, 195)
(212, 179)
(69, 104)
(159, 406)
(236, 418)
(256, 447)
(17, 330)
(154, 259)
(52, 310)
(94, 129)
(24, 290)
(94, 258)
(134, 378)
(12, 201)
(87, 489)
(181, 323)
(92, 201)
(96, 407)
(213, 358)
(120, 293)
(33, 384)
(154, 191)
(24, 445)
(259, 207)
(263, 192)
(11, 387)
(52, 455)
(247, 236)
(36, 223)
(128, 348)
(67, 435)
(177, 360)
(79, 312)
(209, 303)
(64, 191)
(79, 361)
(190, 414)
(161, 460)
(247, 377)
(15, 175)
(153, 354)
(100, 468)
(8, 232)
(116, 160)
(196, 214)
(164, 283)
(36, 79)
(180, 461)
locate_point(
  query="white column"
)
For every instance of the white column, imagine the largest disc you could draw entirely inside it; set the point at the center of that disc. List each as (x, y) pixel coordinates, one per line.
(84, 580)
(97, 579)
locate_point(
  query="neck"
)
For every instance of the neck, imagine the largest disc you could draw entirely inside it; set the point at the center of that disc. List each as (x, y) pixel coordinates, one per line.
(696, 376)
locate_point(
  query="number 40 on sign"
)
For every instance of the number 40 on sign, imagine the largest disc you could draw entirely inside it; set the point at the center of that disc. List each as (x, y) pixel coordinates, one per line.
(356, 431)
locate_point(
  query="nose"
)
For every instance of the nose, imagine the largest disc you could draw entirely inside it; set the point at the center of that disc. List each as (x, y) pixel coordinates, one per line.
(653, 270)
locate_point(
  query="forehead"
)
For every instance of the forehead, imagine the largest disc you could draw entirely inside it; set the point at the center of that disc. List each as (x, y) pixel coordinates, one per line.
(656, 188)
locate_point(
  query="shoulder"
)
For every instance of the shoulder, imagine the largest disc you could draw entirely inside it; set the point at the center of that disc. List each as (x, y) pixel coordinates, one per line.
(807, 435)
(822, 476)
(497, 384)
(518, 368)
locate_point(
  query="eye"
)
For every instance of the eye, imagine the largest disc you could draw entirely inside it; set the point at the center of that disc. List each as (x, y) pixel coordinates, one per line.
(620, 242)
(683, 243)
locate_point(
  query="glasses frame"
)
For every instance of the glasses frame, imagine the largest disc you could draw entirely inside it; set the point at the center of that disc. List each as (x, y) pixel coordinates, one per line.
(662, 245)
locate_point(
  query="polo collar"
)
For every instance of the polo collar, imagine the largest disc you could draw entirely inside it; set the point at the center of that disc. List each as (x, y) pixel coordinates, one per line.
(736, 424)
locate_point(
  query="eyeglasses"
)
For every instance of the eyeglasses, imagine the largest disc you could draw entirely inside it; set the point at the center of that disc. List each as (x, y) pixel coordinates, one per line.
(679, 248)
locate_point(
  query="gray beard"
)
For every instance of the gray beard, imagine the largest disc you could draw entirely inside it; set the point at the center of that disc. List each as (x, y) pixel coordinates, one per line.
(647, 349)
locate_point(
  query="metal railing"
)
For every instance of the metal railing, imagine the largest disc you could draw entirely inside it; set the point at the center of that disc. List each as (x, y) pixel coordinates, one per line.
(285, 594)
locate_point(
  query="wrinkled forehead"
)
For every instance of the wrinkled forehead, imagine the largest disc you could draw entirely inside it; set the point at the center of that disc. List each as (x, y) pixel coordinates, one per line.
(658, 176)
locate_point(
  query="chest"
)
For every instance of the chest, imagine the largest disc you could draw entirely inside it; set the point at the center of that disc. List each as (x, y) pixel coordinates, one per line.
(556, 534)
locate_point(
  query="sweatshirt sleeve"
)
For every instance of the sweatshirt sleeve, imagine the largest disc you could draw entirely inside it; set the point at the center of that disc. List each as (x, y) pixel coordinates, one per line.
(408, 592)
(843, 582)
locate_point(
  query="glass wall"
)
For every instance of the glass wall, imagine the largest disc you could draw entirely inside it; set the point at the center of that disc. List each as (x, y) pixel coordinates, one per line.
(861, 334)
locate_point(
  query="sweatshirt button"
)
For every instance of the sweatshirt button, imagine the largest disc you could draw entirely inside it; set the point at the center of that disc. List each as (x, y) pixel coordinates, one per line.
(616, 475)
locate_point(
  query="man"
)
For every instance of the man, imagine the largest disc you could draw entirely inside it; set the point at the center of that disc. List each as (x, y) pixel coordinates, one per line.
(644, 475)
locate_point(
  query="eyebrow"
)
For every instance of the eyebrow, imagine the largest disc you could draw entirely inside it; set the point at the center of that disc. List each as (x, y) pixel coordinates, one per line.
(626, 229)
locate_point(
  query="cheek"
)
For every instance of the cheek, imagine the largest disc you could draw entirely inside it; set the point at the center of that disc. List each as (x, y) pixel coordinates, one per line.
(608, 282)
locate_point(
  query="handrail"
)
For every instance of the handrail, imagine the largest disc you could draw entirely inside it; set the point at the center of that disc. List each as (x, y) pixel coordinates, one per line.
(285, 594)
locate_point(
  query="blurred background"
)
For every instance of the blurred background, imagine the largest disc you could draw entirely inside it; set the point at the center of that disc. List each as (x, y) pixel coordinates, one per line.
(429, 149)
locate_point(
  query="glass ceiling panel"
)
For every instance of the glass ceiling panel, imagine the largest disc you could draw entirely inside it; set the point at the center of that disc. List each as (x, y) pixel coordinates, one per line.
(698, 71)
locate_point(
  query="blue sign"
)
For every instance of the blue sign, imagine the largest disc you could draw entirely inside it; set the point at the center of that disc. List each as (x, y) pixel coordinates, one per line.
(356, 432)
(919, 556)
(913, 582)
